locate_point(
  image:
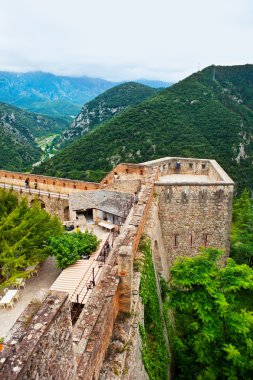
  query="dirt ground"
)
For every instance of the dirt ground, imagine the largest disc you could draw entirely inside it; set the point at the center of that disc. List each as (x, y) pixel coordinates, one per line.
(47, 275)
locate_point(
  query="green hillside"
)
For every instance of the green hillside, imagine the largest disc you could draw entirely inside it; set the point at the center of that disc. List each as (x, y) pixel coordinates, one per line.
(209, 115)
(38, 125)
(18, 149)
(57, 108)
(18, 130)
(104, 107)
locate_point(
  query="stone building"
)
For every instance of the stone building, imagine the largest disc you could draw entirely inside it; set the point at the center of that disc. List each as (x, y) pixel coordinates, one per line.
(100, 205)
(183, 204)
(194, 207)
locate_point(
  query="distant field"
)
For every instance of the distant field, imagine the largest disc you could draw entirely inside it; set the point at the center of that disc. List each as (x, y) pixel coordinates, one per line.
(45, 141)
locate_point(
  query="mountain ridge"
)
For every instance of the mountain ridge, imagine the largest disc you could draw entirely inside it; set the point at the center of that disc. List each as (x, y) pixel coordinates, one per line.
(104, 107)
(197, 117)
(46, 93)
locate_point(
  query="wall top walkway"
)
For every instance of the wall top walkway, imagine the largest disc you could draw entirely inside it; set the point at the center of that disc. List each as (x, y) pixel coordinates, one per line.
(45, 183)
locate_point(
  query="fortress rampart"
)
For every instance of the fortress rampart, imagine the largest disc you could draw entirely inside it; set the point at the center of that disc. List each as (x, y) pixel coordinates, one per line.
(180, 209)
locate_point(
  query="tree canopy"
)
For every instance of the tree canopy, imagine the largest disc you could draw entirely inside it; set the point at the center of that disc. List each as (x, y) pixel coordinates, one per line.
(25, 234)
(242, 230)
(212, 331)
(69, 247)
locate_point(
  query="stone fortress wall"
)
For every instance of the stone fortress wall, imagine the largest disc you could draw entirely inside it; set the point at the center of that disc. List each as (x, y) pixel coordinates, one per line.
(179, 214)
(48, 184)
(41, 345)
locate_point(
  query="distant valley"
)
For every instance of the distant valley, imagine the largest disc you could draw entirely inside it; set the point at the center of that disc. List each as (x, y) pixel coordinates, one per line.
(209, 115)
(19, 131)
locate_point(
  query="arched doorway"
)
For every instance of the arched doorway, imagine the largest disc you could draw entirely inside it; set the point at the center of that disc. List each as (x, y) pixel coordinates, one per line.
(42, 204)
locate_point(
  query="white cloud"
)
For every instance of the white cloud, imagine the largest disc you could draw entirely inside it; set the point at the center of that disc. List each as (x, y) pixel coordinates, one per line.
(124, 39)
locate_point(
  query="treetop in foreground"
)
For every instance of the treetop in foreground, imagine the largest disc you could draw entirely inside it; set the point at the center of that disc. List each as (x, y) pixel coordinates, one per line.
(212, 330)
(25, 234)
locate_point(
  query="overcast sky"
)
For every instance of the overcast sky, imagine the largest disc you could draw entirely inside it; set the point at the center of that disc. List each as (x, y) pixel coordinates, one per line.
(124, 39)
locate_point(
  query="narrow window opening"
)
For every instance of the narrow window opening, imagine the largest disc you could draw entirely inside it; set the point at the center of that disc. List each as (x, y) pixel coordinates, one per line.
(220, 195)
(191, 240)
(190, 165)
(203, 166)
(176, 240)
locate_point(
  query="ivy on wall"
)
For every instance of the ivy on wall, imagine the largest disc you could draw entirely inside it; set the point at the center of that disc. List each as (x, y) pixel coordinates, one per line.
(154, 351)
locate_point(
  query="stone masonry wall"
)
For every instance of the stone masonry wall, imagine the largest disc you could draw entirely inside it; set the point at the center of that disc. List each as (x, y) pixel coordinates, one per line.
(112, 294)
(167, 166)
(124, 185)
(50, 184)
(41, 345)
(53, 205)
(193, 217)
(153, 230)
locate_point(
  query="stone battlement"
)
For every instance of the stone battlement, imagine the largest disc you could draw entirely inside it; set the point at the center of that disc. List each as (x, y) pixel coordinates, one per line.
(179, 209)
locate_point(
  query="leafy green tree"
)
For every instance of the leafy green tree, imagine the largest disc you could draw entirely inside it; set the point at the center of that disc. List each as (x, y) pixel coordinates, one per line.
(25, 234)
(242, 230)
(212, 332)
(69, 247)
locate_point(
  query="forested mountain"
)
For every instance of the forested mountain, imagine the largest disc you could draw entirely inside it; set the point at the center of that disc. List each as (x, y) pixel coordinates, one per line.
(209, 115)
(48, 93)
(18, 129)
(54, 95)
(104, 107)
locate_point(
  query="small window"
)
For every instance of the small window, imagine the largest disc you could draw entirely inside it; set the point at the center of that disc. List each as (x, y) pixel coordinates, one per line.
(126, 171)
(185, 196)
(5, 175)
(141, 172)
(220, 195)
(74, 186)
(190, 165)
(203, 166)
(169, 195)
(203, 195)
(191, 240)
(53, 183)
(85, 188)
(175, 240)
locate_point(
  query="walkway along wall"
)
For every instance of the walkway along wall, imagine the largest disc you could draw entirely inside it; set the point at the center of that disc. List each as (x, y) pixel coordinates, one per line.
(186, 213)
(45, 183)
